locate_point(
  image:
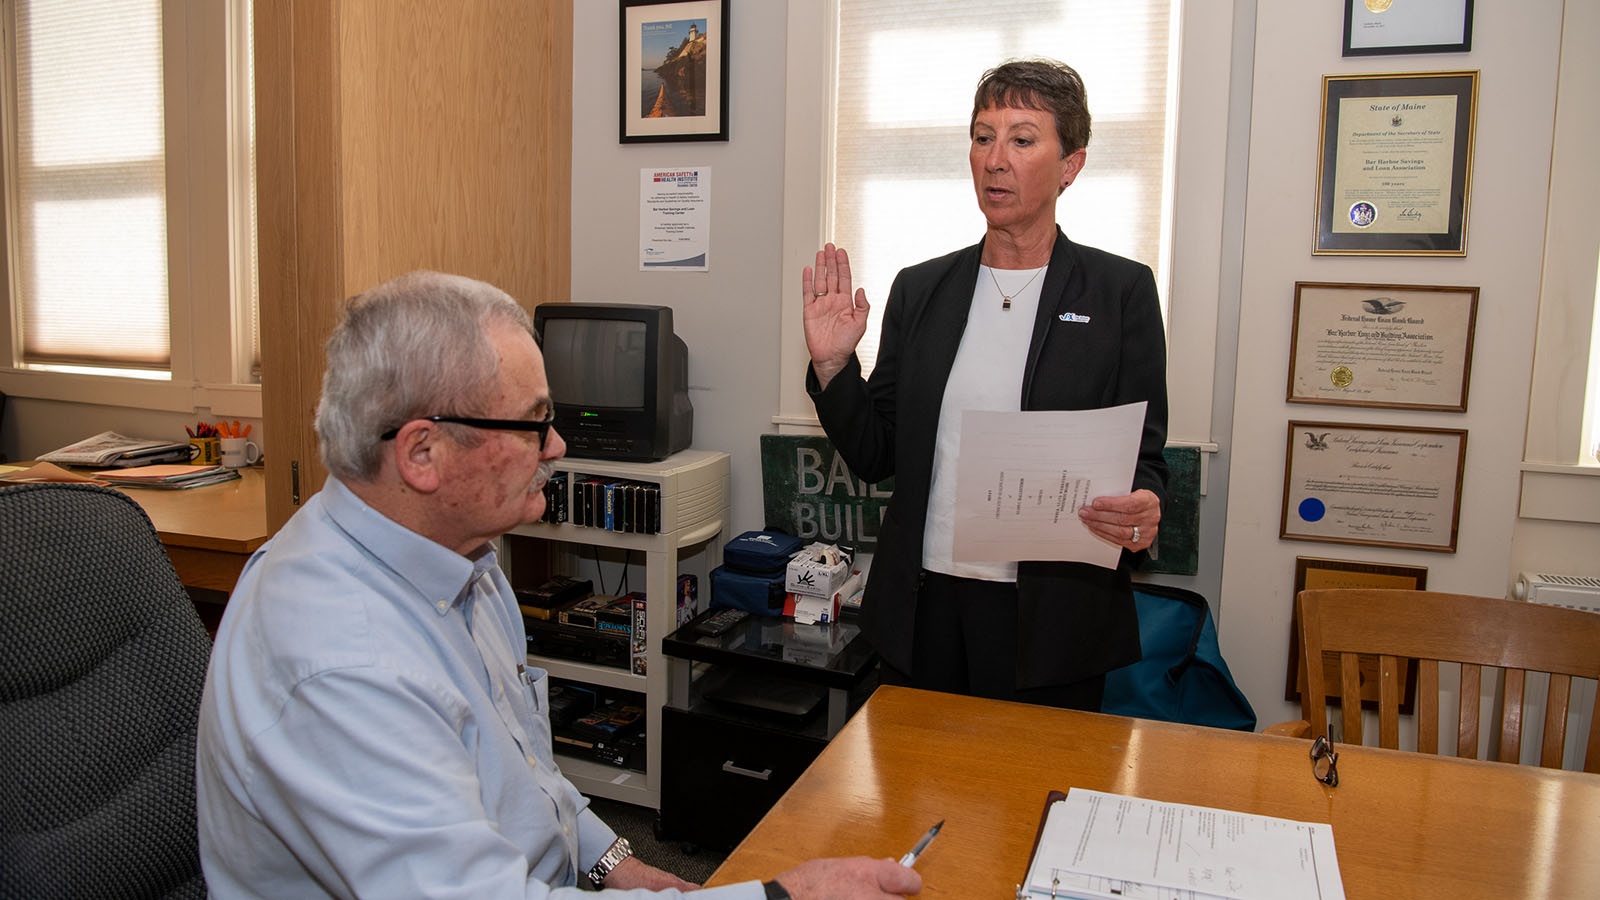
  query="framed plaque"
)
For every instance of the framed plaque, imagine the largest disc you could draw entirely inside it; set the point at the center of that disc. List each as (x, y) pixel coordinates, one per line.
(1395, 164)
(1382, 345)
(1380, 27)
(674, 78)
(1379, 485)
(1311, 573)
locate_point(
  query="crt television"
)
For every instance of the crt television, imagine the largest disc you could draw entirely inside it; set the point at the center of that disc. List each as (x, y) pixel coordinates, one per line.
(619, 377)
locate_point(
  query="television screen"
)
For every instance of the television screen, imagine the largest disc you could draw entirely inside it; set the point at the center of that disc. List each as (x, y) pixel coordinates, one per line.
(596, 362)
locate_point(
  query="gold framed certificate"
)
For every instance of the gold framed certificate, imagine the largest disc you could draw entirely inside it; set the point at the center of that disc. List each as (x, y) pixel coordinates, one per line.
(1395, 157)
(1379, 485)
(1382, 345)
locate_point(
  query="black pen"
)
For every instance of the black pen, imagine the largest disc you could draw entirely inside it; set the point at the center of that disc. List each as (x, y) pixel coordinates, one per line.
(910, 859)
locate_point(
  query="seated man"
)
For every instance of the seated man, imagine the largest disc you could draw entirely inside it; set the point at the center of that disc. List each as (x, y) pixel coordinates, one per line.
(369, 727)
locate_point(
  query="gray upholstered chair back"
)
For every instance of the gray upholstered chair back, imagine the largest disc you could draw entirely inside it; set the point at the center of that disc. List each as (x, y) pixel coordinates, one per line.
(102, 660)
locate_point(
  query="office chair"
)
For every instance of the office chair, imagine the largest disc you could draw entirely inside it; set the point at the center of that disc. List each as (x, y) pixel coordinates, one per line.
(102, 660)
(1430, 627)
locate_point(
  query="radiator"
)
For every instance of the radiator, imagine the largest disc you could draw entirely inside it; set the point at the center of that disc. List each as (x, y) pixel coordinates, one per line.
(1572, 591)
(1575, 592)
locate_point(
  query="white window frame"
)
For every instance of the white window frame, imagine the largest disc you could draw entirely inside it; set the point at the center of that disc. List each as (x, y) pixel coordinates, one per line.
(1196, 251)
(206, 304)
(1560, 477)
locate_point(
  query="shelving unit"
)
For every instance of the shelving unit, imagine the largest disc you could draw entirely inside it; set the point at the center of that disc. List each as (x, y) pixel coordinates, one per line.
(694, 512)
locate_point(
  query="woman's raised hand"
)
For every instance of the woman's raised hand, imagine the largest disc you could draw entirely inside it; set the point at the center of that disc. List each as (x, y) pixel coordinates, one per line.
(834, 320)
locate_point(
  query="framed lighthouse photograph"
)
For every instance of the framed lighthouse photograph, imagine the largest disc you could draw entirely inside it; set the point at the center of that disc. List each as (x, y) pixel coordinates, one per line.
(674, 71)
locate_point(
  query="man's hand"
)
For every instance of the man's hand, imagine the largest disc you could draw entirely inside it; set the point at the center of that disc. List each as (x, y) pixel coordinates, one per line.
(834, 320)
(1131, 520)
(856, 878)
(631, 874)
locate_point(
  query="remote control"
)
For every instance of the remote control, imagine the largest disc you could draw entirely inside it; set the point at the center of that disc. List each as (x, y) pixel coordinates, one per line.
(721, 621)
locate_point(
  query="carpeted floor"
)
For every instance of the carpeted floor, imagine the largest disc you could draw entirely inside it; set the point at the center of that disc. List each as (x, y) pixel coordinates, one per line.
(637, 824)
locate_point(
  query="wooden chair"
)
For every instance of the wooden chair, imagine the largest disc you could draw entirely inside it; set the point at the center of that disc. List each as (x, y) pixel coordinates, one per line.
(1431, 627)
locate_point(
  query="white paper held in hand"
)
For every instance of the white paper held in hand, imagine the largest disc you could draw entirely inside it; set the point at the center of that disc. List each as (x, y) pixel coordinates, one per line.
(1022, 476)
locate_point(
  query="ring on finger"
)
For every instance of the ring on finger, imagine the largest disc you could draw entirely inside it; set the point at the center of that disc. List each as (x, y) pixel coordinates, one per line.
(1135, 534)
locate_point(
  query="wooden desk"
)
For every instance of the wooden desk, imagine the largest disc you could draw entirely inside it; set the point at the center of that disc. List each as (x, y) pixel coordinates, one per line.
(1404, 824)
(209, 532)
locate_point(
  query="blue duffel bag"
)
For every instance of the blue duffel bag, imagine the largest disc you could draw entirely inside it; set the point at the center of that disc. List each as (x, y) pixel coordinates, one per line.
(752, 572)
(751, 593)
(1182, 677)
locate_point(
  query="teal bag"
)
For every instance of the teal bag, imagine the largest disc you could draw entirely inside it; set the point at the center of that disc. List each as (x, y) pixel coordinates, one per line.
(1182, 677)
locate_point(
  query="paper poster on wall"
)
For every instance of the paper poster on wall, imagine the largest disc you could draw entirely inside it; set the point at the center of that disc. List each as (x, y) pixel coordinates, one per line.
(675, 219)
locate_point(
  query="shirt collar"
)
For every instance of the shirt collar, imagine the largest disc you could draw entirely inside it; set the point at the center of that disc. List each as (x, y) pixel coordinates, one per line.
(440, 575)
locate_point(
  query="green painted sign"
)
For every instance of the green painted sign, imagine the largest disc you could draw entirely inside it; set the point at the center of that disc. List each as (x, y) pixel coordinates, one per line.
(809, 492)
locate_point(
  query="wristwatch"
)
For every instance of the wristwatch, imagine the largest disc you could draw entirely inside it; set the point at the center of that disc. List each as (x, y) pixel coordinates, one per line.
(775, 891)
(619, 850)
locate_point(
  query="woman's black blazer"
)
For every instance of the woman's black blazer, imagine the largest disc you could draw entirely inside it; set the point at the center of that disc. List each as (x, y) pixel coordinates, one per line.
(1098, 341)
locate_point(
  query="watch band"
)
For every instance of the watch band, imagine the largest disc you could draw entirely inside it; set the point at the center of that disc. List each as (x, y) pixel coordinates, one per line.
(619, 850)
(775, 891)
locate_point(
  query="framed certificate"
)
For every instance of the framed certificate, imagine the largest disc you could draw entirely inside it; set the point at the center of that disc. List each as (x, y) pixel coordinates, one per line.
(1311, 573)
(1380, 27)
(1395, 164)
(1379, 485)
(674, 78)
(1383, 345)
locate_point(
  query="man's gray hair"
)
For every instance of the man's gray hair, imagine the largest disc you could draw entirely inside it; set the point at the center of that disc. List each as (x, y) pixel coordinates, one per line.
(411, 347)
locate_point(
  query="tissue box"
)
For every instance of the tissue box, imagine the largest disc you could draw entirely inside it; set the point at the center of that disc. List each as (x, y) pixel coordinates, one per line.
(808, 610)
(812, 573)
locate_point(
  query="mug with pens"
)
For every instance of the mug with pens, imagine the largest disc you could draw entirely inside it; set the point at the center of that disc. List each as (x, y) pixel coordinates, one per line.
(236, 451)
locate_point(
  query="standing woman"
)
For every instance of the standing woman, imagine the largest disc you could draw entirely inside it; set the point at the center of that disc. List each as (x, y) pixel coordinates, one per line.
(1023, 320)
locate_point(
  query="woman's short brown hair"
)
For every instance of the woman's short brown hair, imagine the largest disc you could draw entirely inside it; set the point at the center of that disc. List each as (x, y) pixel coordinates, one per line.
(1042, 84)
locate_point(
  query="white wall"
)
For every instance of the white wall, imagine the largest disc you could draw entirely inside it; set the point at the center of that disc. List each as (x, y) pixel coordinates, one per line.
(1516, 47)
(729, 315)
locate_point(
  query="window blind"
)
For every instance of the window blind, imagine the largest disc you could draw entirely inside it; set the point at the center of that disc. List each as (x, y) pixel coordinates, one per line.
(902, 191)
(91, 211)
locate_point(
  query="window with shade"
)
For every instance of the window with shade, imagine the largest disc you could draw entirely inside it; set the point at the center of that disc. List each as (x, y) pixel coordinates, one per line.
(906, 71)
(130, 202)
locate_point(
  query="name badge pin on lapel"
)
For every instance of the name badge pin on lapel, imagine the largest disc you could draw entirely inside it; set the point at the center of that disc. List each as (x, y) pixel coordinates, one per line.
(1073, 317)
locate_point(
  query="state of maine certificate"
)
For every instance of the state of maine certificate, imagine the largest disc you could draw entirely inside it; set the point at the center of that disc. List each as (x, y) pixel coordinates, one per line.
(1395, 162)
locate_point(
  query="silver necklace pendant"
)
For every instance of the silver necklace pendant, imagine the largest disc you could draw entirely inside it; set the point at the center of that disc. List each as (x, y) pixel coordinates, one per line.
(1005, 299)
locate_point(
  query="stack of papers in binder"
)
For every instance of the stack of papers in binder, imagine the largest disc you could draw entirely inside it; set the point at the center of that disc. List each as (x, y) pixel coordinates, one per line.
(1099, 846)
(111, 449)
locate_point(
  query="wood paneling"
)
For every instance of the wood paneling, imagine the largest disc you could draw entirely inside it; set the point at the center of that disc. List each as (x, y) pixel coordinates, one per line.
(397, 135)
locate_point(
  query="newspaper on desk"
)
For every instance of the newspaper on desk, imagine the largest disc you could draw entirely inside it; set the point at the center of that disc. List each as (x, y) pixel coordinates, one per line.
(1099, 846)
(105, 447)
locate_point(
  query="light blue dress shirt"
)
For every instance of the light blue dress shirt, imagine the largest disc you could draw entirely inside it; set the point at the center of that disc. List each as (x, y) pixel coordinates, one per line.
(369, 729)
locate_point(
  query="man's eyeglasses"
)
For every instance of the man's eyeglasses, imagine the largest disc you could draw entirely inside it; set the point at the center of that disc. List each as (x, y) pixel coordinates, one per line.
(542, 426)
(1325, 762)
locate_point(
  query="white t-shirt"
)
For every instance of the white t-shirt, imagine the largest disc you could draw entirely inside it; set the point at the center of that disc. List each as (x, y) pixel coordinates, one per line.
(986, 375)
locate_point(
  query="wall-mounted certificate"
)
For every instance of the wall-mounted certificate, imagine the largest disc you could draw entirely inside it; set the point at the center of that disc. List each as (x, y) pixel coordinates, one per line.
(1384, 486)
(1385, 345)
(1395, 164)
(1376, 27)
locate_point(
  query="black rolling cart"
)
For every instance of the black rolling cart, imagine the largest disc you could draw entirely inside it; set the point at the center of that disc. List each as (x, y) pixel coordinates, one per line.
(747, 710)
